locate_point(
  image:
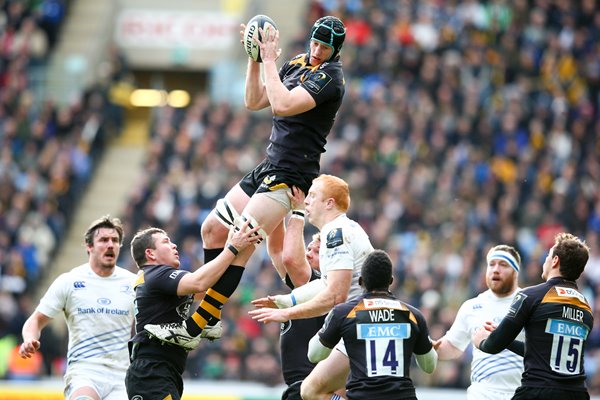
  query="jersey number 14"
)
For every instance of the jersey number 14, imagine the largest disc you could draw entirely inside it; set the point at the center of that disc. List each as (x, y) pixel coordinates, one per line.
(384, 347)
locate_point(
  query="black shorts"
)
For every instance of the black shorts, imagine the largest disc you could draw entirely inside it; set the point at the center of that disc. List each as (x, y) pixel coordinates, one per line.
(292, 392)
(153, 379)
(537, 393)
(268, 177)
(155, 371)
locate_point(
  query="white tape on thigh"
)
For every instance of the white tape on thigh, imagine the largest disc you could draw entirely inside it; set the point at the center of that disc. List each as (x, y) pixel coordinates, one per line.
(280, 196)
(226, 213)
(239, 221)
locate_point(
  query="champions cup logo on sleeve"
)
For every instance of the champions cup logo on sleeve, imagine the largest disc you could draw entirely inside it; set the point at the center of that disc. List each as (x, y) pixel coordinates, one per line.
(335, 238)
(315, 81)
(516, 304)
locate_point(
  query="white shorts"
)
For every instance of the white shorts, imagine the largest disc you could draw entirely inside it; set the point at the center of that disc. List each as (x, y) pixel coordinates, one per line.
(480, 392)
(107, 382)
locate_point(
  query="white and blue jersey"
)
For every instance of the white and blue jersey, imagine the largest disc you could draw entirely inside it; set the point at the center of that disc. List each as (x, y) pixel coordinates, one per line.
(99, 315)
(344, 245)
(499, 372)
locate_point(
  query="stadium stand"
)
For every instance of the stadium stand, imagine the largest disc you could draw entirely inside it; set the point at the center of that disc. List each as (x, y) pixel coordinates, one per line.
(465, 124)
(48, 154)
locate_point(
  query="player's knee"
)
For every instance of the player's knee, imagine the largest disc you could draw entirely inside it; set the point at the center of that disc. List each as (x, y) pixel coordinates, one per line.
(207, 228)
(213, 232)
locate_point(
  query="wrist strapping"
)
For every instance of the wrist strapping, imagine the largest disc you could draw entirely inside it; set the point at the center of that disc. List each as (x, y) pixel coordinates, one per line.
(306, 292)
(299, 214)
(283, 300)
(232, 248)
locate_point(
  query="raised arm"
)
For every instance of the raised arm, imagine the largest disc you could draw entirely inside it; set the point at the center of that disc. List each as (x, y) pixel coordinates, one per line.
(275, 249)
(255, 97)
(236, 252)
(284, 102)
(294, 254)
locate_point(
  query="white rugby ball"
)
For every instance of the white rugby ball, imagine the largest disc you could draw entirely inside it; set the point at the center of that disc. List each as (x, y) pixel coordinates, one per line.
(251, 33)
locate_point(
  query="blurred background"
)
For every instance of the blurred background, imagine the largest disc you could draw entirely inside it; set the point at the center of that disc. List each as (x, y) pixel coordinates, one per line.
(466, 123)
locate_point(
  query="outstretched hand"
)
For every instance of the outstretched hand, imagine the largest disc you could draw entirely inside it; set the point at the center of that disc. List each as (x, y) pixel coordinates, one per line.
(264, 302)
(277, 301)
(244, 237)
(266, 315)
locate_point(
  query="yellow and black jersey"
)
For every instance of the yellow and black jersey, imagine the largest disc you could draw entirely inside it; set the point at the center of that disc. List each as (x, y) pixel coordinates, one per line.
(557, 320)
(380, 335)
(157, 302)
(297, 141)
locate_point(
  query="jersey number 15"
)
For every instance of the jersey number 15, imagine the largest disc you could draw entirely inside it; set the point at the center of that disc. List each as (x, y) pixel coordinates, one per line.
(567, 346)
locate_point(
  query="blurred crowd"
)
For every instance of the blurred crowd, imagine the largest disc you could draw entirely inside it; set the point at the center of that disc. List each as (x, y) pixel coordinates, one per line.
(465, 124)
(47, 156)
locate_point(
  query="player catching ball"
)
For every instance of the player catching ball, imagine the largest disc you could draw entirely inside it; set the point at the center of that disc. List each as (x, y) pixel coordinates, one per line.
(304, 96)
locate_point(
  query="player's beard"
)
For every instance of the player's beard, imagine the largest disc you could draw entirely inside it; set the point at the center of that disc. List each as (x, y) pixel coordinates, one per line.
(500, 287)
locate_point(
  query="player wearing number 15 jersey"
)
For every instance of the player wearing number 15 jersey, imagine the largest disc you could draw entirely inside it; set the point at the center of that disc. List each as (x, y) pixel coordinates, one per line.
(380, 333)
(557, 320)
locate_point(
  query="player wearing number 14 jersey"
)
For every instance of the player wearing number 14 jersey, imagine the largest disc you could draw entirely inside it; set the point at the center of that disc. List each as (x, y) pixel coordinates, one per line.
(380, 333)
(557, 320)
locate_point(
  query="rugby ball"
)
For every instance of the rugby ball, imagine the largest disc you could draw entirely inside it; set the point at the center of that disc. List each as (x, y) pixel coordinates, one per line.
(251, 33)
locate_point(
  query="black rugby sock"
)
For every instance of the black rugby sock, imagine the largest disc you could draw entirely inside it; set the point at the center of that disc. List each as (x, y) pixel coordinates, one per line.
(209, 255)
(210, 307)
